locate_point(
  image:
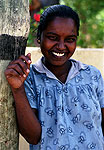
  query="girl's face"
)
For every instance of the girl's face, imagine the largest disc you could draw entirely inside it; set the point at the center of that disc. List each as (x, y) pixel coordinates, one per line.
(58, 41)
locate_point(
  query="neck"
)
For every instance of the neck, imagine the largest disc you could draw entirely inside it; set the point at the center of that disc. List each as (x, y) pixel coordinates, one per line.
(61, 72)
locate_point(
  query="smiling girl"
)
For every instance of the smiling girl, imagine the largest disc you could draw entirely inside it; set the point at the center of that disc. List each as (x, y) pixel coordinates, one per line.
(59, 101)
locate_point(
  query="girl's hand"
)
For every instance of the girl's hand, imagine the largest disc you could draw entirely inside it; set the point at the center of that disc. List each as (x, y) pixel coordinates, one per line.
(18, 70)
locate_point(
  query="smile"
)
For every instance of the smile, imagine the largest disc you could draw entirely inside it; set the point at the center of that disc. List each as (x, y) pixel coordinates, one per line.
(58, 54)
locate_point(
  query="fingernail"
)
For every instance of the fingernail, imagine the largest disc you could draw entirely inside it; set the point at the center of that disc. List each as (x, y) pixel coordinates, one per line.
(29, 61)
(27, 70)
(24, 75)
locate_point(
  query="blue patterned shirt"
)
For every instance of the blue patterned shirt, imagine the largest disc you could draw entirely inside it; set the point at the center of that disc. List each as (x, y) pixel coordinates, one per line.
(70, 112)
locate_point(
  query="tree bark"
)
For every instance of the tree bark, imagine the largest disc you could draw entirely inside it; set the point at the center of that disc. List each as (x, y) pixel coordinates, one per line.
(14, 29)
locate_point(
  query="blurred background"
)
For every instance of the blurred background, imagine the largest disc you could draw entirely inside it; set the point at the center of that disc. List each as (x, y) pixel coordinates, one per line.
(91, 15)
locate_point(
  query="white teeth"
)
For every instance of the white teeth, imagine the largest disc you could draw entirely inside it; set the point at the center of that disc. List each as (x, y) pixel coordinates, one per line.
(58, 54)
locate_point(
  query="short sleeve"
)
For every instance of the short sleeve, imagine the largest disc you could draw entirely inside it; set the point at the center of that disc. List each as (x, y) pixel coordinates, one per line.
(100, 90)
(30, 90)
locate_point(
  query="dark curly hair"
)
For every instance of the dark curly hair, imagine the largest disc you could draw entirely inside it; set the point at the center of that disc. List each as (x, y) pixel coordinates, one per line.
(56, 11)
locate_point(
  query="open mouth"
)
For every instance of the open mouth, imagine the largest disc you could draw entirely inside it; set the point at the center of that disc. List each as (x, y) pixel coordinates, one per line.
(58, 54)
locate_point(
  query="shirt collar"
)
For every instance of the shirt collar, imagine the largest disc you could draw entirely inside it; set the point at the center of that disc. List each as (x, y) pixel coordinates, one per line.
(76, 67)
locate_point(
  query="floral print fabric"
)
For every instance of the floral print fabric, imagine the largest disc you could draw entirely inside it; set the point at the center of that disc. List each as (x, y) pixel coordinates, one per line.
(70, 113)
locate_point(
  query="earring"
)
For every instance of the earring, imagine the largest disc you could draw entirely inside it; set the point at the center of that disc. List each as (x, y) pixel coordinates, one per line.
(38, 41)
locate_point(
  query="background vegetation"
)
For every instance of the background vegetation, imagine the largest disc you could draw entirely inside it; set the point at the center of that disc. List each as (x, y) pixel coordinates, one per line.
(92, 22)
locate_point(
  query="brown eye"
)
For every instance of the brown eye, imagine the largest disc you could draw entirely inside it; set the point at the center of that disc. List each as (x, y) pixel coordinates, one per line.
(54, 38)
(70, 40)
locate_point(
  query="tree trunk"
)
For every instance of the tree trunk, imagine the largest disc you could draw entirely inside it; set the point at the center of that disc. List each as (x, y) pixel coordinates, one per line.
(14, 29)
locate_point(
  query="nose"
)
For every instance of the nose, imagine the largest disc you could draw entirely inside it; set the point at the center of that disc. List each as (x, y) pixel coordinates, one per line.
(61, 45)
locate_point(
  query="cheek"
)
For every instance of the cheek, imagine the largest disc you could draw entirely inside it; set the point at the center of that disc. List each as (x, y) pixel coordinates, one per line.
(72, 47)
(47, 45)
(44, 48)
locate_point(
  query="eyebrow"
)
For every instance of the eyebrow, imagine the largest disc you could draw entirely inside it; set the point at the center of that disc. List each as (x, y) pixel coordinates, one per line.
(57, 34)
(72, 36)
(51, 33)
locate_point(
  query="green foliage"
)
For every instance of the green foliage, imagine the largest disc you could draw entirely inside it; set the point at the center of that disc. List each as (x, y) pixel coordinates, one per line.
(32, 33)
(30, 1)
(33, 29)
(92, 21)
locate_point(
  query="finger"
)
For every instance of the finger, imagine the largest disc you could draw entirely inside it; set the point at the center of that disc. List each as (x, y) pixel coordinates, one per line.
(22, 64)
(17, 68)
(21, 67)
(29, 55)
(26, 58)
(11, 72)
(29, 61)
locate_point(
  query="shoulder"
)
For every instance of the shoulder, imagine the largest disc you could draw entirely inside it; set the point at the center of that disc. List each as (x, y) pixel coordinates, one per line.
(85, 67)
(92, 74)
(89, 68)
(88, 72)
(92, 71)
